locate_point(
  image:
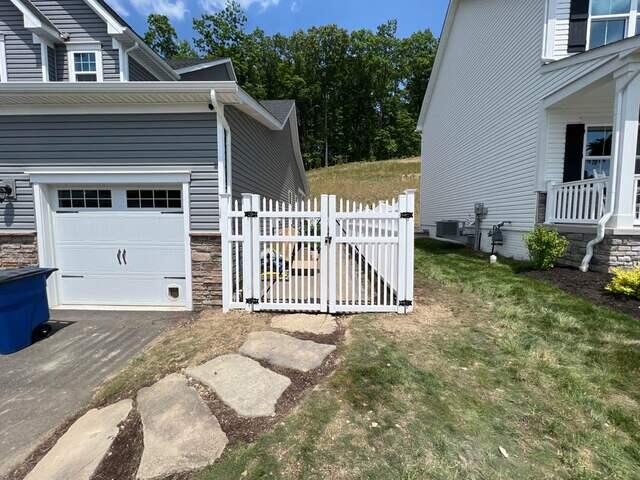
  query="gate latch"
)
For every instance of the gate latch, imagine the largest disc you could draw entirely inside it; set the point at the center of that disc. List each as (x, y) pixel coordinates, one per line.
(406, 215)
(251, 214)
(327, 240)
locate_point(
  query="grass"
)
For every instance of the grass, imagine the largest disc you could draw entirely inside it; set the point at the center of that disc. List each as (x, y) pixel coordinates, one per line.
(367, 182)
(489, 360)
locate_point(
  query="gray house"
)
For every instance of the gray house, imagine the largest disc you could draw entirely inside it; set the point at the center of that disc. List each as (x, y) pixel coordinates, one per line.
(112, 160)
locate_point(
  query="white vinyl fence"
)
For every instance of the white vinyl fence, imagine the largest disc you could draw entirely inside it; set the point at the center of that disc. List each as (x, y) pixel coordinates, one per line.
(320, 255)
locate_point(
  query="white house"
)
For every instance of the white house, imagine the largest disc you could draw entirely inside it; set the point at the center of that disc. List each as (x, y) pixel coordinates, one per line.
(533, 110)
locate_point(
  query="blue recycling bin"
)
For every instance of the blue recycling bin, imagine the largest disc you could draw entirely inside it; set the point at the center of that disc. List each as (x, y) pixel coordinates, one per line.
(23, 306)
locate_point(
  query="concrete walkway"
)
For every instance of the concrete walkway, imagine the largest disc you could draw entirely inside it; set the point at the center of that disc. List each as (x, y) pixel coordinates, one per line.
(56, 377)
(180, 432)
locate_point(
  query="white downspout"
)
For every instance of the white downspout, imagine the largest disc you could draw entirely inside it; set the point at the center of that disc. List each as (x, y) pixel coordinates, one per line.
(602, 223)
(224, 163)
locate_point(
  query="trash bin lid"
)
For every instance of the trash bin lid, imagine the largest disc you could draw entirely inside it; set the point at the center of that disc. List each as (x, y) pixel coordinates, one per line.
(13, 274)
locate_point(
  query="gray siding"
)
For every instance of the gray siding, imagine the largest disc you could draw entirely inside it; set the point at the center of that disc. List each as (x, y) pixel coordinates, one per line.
(137, 73)
(263, 161)
(95, 141)
(76, 18)
(219, 73)
(23, 56)
(53, 69)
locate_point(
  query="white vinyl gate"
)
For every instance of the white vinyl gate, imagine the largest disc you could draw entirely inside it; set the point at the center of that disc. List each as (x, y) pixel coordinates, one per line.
(320, 255)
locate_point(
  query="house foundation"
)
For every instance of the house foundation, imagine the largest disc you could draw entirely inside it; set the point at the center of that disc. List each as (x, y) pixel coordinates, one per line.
(206, 266)
(18, 250)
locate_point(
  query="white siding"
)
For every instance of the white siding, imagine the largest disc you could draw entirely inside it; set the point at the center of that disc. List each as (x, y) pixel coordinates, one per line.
(561, 37)
(481, 129)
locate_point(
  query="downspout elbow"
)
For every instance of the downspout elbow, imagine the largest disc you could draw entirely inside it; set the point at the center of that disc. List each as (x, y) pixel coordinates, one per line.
(601, 229)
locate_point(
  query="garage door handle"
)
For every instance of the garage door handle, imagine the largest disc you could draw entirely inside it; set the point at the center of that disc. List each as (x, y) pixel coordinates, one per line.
(119, 253)
(124, 256)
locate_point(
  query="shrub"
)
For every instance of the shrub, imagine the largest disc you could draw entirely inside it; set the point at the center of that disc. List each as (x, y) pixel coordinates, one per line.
(545, 247)
(625, 282)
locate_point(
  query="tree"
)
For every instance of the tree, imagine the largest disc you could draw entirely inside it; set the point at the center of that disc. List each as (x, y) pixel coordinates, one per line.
(358, 93)
(163, 38)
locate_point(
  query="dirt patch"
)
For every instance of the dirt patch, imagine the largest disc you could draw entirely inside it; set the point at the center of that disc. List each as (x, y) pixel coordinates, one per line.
(590, 286)
(125, 454)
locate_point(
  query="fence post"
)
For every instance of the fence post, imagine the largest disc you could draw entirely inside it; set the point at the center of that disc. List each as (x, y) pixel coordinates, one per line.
(256, 268)
(330, 257)
(402, 253)
(247, 251)
(411, 204)
(225, 230)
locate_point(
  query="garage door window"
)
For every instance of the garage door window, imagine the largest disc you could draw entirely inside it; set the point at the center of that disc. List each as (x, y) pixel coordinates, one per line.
(154, 199)
(84, 199)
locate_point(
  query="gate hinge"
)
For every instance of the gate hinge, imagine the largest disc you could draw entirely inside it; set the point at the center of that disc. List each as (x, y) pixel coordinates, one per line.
(405, 303)
(251, 214)
(252, 301)
(406, 215)
(327, 240)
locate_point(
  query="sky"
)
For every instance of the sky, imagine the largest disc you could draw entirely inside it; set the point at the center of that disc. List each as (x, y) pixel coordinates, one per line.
(285, 16)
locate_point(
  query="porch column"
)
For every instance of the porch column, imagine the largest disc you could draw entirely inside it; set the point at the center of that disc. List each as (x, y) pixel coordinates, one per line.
(625, 139)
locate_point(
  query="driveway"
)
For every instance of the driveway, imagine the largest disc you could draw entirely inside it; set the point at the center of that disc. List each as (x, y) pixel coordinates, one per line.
(56, 377)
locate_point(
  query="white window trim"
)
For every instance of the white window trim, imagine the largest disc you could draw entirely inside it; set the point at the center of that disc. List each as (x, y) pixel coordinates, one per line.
(93, 47)
(630, 19)
(3, 60)
(586, 157)
(44, 56)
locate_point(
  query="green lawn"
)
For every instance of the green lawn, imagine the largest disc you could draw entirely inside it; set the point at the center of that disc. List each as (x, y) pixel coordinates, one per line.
(490, 360)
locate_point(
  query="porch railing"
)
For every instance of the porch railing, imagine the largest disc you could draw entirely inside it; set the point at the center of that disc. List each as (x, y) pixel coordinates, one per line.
(582, 202)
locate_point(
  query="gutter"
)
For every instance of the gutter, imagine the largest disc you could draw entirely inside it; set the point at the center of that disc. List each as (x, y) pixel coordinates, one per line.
(602, 223)
(224, 148)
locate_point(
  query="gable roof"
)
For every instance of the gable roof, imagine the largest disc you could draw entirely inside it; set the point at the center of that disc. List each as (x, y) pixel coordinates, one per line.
(180, 63)
(281, 109)
(36, 21)
(41, 16)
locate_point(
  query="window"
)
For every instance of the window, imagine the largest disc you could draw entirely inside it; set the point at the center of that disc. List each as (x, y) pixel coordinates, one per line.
(597, 157)
(154, 199)
(84, 198)
(85, 67)
(611, 21)
(85, 62)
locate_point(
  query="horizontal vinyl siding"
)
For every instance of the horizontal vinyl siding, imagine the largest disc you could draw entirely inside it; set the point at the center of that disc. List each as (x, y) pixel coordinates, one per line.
(480, 136)
(77, 19)
(263, 160)
(137, 73)
(23, 56)
(95, 141)
(561, 37)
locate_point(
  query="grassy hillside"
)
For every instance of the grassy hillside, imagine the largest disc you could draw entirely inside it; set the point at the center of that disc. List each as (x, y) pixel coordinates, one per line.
(367, 182)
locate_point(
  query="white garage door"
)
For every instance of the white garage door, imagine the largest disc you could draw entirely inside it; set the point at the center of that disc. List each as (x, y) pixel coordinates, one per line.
(120, 246)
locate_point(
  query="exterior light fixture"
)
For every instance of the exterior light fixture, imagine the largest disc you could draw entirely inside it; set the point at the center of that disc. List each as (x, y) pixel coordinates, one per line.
(7, 190)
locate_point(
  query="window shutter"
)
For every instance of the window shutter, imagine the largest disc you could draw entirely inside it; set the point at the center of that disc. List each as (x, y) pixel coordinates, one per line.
(578, 19)
(573, 150)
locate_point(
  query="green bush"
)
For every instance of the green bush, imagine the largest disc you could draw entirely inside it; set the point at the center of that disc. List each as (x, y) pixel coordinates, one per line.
(625, 282)
(545, 247)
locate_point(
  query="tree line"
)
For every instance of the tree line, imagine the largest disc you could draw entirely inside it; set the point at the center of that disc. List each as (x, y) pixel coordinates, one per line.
(358, 93)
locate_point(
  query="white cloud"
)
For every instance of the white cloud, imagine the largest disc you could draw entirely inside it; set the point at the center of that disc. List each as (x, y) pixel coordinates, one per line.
(173, 9)
(119, 7)
(218, 4)
(295, 6)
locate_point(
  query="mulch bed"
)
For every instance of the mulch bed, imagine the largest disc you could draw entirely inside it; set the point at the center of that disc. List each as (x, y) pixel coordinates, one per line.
(590, 286)
(123, 459)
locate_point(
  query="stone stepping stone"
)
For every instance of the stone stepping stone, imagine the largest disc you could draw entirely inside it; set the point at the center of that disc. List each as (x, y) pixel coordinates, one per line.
(305, 323)
(180, 433)
(242, 384)
(78, 453)
(285, 351)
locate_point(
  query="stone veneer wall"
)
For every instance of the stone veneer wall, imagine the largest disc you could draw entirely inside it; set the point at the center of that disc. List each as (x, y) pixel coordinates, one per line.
(541, 207)
(206, 265)
(614, 251)
(18, 250)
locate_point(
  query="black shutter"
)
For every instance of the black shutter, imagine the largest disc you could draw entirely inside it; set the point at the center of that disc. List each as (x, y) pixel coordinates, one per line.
(573, 150)
(578, 19)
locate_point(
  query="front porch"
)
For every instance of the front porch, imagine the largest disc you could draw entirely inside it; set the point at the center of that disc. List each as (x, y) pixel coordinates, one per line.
(589, 172)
